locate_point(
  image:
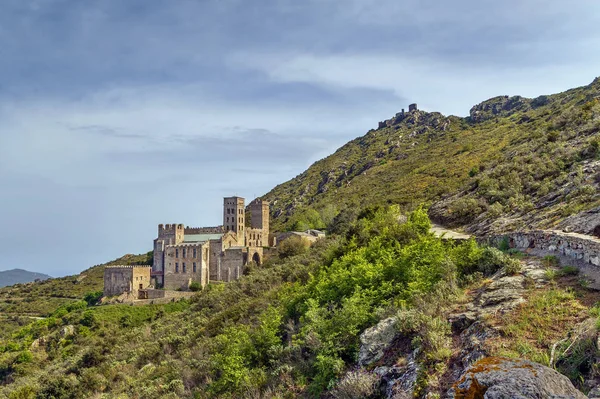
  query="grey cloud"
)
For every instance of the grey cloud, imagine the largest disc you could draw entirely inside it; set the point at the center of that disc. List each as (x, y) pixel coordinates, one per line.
(118, 115)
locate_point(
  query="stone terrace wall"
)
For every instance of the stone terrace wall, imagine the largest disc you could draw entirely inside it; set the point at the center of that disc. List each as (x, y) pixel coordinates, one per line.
(576, 246)
(574, 249)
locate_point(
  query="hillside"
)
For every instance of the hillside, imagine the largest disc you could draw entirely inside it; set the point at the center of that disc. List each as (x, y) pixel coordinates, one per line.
(485, 172)
(316, 323)
(19, 276)
(43, 297)
(382, 307)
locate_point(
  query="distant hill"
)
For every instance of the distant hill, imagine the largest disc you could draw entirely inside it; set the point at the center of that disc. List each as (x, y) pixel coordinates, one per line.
(43, 297)
(19, 276)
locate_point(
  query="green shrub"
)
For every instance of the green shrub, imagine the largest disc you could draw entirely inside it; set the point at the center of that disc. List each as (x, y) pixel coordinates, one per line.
(292, 246)
(553, 136)
(512, 267)
(569, 271)
(465, 209)
(492, 260)
(92, 298)
(195, 286)
(504, 244)
(24, 357)
(89, 319)
(550, 261)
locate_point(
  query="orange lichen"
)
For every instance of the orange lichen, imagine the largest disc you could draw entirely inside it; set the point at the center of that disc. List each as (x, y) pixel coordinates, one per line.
(475, 390)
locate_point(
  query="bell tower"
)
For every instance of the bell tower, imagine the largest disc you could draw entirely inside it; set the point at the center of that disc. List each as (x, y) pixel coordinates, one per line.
(234, 217)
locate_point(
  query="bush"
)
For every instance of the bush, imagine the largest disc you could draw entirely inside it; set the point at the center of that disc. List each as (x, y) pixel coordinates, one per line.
(553, 136)
(550, 261)
(89, 319)
(492, 260)
(512, 267)
(24, 357)
(92, 298)
(504, 244)
(465, 209)
(569, 271)
(355, 385)
(292, 246)
(195, 286)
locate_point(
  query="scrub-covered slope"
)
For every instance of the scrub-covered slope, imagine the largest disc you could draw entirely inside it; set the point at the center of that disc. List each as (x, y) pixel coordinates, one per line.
(511, 156)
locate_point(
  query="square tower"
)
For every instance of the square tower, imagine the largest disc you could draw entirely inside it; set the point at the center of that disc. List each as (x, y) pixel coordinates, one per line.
(259, 210)
(234, 217)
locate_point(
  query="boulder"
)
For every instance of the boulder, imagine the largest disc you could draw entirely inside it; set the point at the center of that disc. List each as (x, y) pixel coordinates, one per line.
(375, 340)
(399, 381)
(503, 378)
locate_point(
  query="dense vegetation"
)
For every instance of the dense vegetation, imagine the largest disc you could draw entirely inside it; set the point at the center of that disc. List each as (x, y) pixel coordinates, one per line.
(289, 328)
(510, 156)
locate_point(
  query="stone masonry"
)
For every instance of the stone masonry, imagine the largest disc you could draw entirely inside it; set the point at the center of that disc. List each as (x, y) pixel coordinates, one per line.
(580, 250)
(126, 279)
(183, 255)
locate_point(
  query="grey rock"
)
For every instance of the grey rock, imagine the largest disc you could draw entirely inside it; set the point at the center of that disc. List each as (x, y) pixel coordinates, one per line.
(375, 340)
(502, 378)
(67, 330)
(594, 393)
(399, 382)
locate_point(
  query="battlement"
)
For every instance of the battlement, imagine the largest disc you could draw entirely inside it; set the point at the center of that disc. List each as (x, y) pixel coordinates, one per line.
(164, 229)
(127, 266)
(203, 230)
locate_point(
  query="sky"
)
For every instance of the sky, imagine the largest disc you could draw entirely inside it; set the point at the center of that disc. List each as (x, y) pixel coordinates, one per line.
(118, 115)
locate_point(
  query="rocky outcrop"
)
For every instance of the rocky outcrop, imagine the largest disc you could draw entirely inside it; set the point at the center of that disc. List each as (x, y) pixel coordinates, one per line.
(498, 106)
(503, 378)
(398, 366)
(375, 340)
(399, 381)
(503, 293)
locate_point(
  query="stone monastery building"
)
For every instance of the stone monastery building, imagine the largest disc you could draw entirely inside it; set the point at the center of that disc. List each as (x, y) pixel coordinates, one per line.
(183, 255)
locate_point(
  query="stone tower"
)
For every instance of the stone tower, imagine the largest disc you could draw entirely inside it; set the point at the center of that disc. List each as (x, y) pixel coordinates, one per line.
(259, 209)
(234, 217)
(168, 234)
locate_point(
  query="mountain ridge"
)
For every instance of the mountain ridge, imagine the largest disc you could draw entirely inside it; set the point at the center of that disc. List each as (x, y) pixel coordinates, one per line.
(20, 276)
(449, 162)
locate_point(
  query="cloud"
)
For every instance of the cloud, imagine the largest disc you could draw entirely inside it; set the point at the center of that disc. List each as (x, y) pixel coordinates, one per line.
(118, 115)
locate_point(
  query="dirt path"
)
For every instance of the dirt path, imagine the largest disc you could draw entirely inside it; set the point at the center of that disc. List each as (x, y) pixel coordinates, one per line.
(442, 231)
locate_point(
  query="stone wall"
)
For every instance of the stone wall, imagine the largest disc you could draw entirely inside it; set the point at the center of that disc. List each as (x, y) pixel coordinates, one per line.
(125, 279)
(576, 249)
(203, 230)
(232, 261)
(214, 261)
(168, 234)
(256, 238)
(179, 270)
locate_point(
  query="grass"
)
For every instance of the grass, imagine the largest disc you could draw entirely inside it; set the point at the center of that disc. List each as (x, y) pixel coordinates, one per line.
(531, 330)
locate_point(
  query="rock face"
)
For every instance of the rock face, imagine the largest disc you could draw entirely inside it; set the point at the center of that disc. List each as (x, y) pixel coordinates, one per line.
(498, 106)
(375, 340)
(502, 378)
(384, 344)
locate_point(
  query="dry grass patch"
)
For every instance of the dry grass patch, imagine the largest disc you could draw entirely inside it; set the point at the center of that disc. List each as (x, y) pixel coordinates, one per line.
(530, 330)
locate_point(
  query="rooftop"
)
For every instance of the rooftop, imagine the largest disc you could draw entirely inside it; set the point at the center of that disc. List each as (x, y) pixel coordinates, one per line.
(201, 237)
